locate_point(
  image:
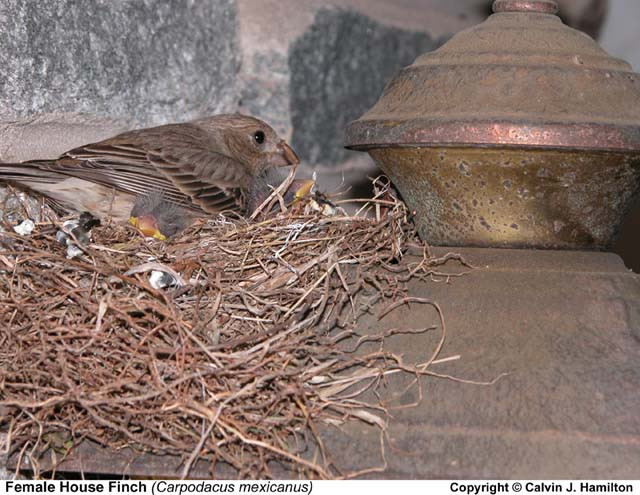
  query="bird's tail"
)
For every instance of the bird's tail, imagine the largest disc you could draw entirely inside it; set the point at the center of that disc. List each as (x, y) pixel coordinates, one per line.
(26, 173)
(34, 177)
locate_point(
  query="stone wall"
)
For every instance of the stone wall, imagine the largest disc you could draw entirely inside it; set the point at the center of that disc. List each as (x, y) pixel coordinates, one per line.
(75, 71)
(143, 59)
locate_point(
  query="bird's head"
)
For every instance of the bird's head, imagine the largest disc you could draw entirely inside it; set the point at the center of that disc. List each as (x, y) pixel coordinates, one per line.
(253, 142)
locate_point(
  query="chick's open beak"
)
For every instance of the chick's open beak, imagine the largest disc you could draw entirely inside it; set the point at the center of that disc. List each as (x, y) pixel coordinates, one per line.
(288, 154)
(299, 188)
(148, 225)
(302, 188)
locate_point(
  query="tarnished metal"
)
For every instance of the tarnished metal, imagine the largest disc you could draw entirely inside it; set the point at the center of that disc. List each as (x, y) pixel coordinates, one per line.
(514, 198)
(520, 82)
(542, 6)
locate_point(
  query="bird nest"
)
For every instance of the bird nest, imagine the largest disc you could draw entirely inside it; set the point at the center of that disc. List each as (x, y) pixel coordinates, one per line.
(244, 346)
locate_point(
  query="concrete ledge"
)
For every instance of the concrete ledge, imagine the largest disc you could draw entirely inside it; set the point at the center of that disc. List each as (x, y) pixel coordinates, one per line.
(565, 326)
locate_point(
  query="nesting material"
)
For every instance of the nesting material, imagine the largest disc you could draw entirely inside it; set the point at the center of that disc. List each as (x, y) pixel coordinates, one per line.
(231, 343)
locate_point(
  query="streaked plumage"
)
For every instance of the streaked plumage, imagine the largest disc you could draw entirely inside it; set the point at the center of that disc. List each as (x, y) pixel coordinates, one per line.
(207, 166)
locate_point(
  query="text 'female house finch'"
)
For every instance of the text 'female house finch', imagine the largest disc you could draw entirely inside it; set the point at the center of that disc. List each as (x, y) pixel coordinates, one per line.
(219, 163)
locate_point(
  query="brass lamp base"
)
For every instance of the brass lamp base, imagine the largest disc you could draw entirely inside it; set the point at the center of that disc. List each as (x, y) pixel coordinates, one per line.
(512, 197)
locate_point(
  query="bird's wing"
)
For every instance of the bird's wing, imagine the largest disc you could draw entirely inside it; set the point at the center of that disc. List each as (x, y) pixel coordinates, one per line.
(178, 160)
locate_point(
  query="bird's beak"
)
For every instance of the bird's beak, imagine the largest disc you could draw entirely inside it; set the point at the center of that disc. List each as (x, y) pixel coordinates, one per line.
(290, 157)
(148, 225)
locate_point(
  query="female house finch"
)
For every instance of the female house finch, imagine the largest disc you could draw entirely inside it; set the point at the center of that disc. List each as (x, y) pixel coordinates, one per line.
(219, 163)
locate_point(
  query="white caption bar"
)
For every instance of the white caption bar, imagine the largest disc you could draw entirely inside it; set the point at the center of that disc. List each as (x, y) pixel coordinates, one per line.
(382, 487)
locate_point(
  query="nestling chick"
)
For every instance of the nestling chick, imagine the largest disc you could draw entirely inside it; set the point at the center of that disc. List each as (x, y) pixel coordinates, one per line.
(155, 217)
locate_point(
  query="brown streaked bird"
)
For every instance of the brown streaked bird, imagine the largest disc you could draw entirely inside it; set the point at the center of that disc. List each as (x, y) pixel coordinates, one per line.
(210, 165)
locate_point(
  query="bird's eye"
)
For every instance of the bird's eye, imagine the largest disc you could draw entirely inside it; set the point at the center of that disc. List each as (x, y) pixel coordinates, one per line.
(259, 137)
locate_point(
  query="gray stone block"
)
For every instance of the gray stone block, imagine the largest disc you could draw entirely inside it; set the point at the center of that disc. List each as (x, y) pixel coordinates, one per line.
(48, 135)
(148, 62)
(338, 69)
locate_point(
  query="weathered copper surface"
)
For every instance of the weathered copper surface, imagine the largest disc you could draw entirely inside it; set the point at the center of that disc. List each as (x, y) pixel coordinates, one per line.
(565, 326)
(544, 6)
(511, 197)
(521, 80)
